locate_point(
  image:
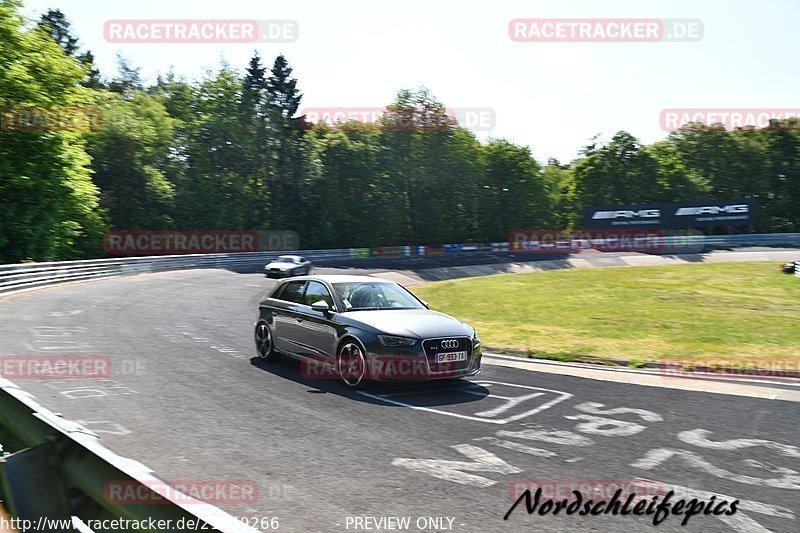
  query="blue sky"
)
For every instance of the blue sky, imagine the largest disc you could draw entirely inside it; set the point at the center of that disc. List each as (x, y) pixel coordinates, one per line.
(552, 97)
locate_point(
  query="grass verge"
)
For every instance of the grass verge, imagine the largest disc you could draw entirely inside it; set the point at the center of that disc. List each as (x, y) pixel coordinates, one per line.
(704, 313)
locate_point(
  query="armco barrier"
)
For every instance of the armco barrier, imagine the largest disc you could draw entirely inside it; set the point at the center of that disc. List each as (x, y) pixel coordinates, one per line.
(26, 276)
(58, 470)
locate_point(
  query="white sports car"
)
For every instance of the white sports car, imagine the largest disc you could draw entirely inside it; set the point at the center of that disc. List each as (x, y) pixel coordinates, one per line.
(288, 265)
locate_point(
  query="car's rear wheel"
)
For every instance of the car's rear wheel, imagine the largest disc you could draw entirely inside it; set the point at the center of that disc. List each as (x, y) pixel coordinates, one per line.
(351, 364)
(264, 344)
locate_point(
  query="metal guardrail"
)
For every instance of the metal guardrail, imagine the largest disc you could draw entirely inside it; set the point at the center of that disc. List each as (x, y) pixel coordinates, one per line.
(69, 459)
(26, 276)
(758, 239)
(59, 470)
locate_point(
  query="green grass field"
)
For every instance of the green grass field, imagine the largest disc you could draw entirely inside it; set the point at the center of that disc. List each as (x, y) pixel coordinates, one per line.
(700, 313)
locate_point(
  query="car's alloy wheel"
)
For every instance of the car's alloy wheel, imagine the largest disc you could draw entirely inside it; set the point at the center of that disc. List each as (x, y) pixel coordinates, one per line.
(264, 345)
(351, 363)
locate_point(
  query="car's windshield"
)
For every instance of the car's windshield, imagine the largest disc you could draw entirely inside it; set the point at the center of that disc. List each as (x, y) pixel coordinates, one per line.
(284, 260)
(362, 295)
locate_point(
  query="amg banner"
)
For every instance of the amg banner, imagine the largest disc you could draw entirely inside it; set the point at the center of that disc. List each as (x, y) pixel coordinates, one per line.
(670, 216)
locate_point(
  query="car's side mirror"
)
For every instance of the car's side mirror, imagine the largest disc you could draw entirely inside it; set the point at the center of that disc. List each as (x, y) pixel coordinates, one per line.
(321, 306)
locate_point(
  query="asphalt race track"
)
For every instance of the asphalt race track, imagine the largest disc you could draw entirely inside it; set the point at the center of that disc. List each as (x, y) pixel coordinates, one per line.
(189, 399)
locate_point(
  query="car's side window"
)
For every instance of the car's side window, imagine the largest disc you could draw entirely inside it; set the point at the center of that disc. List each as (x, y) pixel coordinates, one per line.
(316, 291)
(277, 292)
(293, 292)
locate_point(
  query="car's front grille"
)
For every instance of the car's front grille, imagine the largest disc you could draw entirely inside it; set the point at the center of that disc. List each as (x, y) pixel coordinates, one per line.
(434, 347)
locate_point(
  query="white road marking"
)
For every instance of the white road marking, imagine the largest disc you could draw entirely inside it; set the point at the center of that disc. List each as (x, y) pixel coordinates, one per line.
(655, 457)
(510, 403)
(113, 427)
(188, 336)
(595, 408)
(465, 389)
(553, 436)
(598, 425)
(699, 437)
(64, 313)
(457, 471)
(739, 521)
(75, 389)
(43, 338)
(481, 417)
(56, 331)
(517, 447)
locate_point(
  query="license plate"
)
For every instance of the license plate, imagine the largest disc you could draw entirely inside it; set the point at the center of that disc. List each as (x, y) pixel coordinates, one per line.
(451, 357)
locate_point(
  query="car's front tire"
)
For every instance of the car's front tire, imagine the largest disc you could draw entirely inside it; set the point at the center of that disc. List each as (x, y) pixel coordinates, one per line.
(351, 364)
(264, 344)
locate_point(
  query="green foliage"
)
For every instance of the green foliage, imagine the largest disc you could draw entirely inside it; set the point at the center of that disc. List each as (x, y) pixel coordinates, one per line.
(129, 154)
(515, 195)
(49, 206)
(55, 24)
(229, 151)
(703, 313)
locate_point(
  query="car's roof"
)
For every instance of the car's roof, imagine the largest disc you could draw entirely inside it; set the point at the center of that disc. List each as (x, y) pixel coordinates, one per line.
(343, 278)
(290, 257)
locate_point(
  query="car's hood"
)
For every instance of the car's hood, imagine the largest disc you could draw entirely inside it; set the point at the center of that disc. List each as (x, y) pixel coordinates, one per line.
(421, 323)
(282, 266)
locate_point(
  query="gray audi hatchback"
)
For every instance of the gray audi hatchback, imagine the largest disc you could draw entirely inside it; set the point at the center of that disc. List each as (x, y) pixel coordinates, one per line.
(360, 328)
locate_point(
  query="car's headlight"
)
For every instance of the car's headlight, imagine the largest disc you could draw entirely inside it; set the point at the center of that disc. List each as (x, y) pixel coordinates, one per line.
(394, 342)
(476, 342)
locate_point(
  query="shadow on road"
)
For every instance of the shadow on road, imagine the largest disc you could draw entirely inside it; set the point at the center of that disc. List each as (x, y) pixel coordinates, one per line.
(424, 394)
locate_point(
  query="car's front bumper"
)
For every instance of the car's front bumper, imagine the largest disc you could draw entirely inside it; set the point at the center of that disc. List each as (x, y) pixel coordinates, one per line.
(416, 364)
(275, 273)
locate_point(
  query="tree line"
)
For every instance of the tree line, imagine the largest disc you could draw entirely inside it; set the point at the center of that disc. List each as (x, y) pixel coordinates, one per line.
(230, 151)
